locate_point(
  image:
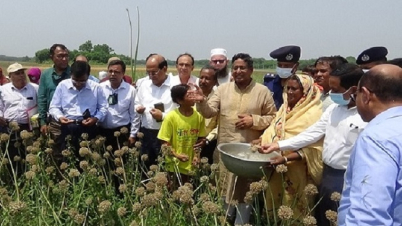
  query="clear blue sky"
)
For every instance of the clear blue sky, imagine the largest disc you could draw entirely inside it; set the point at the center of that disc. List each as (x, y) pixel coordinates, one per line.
(326, 27)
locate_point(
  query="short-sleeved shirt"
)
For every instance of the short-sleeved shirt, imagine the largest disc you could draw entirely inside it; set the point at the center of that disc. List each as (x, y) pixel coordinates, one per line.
(182, 132)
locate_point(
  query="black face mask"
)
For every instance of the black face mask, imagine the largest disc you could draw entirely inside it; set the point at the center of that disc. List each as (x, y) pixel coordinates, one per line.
(112, 99)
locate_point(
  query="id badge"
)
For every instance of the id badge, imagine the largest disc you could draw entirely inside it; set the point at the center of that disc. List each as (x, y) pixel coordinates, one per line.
(112, 99)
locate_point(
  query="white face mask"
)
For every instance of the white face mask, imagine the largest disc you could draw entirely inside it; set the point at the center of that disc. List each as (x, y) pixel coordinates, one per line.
(284, 72)
(365, 70)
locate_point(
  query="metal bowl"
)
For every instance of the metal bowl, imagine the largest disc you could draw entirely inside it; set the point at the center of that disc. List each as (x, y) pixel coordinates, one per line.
(240, 160)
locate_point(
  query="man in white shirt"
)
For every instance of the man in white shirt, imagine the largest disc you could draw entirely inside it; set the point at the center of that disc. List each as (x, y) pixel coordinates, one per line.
(121, 111)
(341, 125)
(78, 103)
(184, 66)
(16, 99)
(153, 101)
(219, 61)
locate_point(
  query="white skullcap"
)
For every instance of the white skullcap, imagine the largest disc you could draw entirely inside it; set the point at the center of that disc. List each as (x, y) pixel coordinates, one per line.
(218, 51)
(102, 75)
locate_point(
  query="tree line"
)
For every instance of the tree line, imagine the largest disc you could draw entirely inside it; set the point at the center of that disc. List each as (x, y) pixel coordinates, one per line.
(100, 53)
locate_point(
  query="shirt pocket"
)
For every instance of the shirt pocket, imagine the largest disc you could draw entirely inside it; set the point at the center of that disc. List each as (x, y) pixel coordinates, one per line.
(354, 130)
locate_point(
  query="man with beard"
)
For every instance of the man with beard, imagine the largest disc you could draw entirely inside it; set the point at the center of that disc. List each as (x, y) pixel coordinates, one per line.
(287, 63)
(219, 61)
(372, 57)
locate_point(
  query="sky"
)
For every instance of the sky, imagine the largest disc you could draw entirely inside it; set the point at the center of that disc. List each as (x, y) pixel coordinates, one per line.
(257, 27)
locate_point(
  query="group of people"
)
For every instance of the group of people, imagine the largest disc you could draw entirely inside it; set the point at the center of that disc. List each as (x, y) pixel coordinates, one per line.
(334, 120)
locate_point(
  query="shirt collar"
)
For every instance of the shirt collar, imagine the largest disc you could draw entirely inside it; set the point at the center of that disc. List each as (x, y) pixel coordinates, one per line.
(15, 88)
(389, 113)
(165, 83)
(250, 86)
(64, 73)
(123, 85)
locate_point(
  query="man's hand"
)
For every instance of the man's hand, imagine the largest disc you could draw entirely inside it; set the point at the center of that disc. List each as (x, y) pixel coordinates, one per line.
(140, 109)
(266, 149)
(64, 120)
(3, 121)
(131, 141)
(200, 143)
(245, 121)
(277, 160)
(195, 93)
(43, 130)
(156, 114)
(89, 121)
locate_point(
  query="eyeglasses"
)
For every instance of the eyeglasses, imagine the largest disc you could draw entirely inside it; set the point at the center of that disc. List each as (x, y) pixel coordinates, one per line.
(240, 68)
(60, 57)
(218, 61)
(114, 72)
(153, 73)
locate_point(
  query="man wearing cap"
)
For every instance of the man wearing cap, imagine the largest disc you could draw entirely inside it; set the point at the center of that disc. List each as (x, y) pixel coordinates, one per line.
(50, 78)
(372, 57)
(34, 75)
(16, 99)
(126, 78)
(184, 66)
(287, 62)
(3, 78)
(219, 61)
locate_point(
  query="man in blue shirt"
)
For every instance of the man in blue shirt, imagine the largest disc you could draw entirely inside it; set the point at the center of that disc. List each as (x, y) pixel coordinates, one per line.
(372, 193)
(78, 104)
(288, 61)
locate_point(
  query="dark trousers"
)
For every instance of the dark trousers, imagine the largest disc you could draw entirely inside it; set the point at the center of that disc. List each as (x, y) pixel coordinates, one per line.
(332, 181)
(112, 140)
(208, 151)
(75, 131)
(151, 146)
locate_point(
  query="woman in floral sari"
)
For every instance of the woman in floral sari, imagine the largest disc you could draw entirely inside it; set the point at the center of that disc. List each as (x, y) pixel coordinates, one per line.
(301, 108)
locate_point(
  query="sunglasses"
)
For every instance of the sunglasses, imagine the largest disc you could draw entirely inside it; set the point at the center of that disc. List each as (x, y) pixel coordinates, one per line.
(218, 61)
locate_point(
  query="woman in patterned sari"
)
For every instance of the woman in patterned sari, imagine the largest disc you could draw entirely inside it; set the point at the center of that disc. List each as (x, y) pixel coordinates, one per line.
(301, 108)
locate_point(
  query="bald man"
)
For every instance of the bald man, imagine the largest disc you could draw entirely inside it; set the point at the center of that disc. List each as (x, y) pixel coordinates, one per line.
(372, 193)
(84, 59)
(152, 102)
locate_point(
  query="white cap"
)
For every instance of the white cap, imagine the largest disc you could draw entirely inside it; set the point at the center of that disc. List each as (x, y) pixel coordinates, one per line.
(218, 51)
(102, 75)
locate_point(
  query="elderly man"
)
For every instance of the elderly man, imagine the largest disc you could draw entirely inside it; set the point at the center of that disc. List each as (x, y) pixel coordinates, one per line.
(372, 194)
(372, 57)
(126, 78)
(219, 61)
(287, 63)
(78, 104)
(152, 102)
(3, 78)
(184, 66)
(244, 108)
(17, 99)
(121, 111)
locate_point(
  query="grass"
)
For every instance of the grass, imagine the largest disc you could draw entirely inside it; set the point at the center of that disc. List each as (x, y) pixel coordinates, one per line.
(258, 75)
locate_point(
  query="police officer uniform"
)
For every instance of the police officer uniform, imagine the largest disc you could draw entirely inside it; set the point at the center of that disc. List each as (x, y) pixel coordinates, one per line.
(273, 81)
(373, 54)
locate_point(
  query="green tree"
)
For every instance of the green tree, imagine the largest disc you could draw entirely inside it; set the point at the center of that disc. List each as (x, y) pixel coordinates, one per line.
(42, 55)
(86, 47)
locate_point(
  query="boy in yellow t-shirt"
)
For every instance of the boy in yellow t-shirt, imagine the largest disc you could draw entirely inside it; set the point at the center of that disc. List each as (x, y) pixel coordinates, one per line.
(183, 129)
